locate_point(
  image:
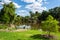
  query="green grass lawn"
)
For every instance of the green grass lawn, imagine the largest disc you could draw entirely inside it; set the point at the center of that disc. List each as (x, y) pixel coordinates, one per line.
(26, 35)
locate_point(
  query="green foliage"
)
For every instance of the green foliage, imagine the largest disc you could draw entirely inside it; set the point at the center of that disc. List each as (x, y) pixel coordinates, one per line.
(17, 20)
(50, 25)
(43, 15)
(55, 12)
(34, 16)
(3, 26)
(7, 13)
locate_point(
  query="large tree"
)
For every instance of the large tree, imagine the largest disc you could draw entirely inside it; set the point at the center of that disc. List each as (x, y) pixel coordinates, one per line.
(7, 13)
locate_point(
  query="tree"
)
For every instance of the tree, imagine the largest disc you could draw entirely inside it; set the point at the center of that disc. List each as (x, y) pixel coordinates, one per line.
(44, 15)
(17, 20)
(7, 13)
(50, 25)
(26, 19)
(55, 12)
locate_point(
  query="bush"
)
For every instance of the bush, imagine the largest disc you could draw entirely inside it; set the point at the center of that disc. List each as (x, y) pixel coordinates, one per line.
(3, 26)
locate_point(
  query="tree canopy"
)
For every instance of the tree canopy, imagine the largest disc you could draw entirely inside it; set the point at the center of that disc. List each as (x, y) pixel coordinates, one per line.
(7, 13)
(50, 24)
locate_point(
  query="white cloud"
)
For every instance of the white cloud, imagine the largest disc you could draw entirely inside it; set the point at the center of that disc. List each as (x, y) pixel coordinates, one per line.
(1, 3)
(8, 1)
(40, 1)
(36, 6)
(28, 1)
(45, 1)
(16, 5)
(22, 12)
(31, 1)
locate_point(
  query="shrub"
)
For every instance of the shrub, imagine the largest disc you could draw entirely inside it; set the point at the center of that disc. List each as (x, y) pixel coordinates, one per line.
(2, 26)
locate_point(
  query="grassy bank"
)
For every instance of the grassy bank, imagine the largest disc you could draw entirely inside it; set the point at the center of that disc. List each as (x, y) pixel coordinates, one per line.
(23, 35)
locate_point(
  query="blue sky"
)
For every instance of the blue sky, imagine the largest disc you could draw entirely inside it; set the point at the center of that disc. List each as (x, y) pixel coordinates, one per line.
(24, 6)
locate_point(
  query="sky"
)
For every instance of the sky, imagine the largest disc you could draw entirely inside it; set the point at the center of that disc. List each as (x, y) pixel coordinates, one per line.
(24, 6)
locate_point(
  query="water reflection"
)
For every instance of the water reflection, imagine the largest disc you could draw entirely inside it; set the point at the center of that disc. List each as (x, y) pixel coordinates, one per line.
(30, 26)
(23, 27)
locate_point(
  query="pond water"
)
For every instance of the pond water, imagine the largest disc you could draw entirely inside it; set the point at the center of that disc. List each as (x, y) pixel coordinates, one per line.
(23, 27)
(31, 26)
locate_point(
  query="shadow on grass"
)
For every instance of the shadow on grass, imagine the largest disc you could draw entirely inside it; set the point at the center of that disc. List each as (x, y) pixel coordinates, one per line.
(39, 36)
(18, 39)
